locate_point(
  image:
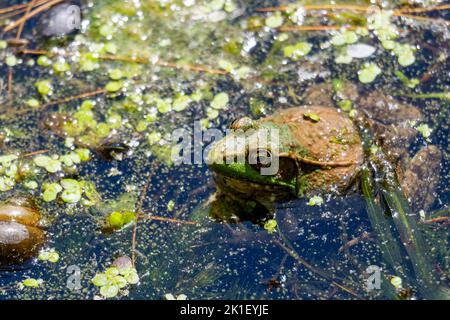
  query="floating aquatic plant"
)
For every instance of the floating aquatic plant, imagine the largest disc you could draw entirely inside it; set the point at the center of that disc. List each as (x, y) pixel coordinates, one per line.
(275, 20)
(220, 101)
(315, 201)
(270, 225)
(368, 73)
(49, 255)
(424, 130)
(44, 87)
(116, 278)
(297, 51)
(170, 296)
(31, 283)
(117, 220)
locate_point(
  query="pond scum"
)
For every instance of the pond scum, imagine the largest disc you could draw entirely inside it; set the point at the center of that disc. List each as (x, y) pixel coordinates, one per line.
(86, 122)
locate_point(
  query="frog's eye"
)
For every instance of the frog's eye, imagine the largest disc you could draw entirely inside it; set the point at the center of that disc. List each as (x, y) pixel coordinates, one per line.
(261, 158)
(244, 124)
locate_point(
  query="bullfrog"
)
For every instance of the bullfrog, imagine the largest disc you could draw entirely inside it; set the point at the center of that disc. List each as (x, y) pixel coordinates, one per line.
(319, 150)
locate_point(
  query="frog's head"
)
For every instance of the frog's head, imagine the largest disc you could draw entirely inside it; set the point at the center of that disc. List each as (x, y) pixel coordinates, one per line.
(255, 159)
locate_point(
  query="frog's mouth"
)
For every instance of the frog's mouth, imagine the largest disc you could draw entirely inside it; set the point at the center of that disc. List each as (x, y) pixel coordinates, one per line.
(253, 188)
(245, 178)
(262, 168)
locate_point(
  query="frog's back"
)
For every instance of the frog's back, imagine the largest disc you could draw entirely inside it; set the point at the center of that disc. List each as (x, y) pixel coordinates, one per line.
(330, 138)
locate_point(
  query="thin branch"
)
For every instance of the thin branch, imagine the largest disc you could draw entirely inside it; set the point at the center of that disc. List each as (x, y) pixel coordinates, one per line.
(316, 7)
(20, 7)
(399, 13)
(140, 60)
(317, 28)
(147, 217)
(76, 97)
(364, 236)
(34, 153)
(313, 269)
(139, 212)
(22, 24)
(33, 13)
(438, 219)
(10, 85)
(415, 10)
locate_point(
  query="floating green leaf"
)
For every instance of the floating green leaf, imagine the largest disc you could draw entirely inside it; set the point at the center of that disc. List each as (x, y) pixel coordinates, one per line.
(297, 51)
(424, 130)
(44, 87)
(275, 20)
(315, 201)
(368, 73)
(271, 225)
(220, 101)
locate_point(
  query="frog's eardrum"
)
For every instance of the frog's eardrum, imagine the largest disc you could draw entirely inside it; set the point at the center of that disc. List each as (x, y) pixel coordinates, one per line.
(60, 20)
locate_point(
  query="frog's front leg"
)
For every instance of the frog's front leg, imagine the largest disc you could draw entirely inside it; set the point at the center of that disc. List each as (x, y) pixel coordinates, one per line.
(419, 177)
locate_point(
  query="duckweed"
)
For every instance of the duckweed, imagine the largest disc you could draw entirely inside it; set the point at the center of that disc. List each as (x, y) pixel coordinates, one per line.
(368, 73)
(50, 164)
(424, 130)
(61, 66)
(220, 101)
(396, 282)
(297, 51)
(113, 86)
(315, 201)
(49, 255)
(345, 37)
(44, 87)
(114, 279)
(116, 74)
(33, 103)
(31, 283)
(44, 61)
(51, 191)
(270, 225)
(32, 185)
(170, 205)
(170, 296)
(274, 21)
(11, 61)
(117, 219)
(154, 137)
(181, 103)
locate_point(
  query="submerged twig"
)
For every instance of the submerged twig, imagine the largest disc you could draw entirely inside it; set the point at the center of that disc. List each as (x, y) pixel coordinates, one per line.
(364, 236)
(358, 8)
(429, 9)
(34, 153)
(10, 86)
(435, 220)
(313, 269)
(22, 24)
(76, 97)
(316, 7)
(317, 28)
(139, 212)
(147, 217)
(20, 7)
(140, 60)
